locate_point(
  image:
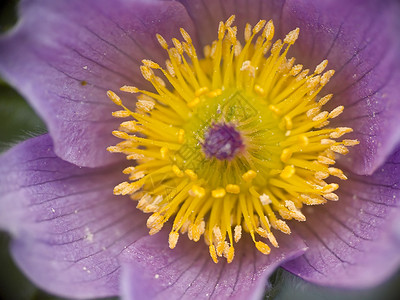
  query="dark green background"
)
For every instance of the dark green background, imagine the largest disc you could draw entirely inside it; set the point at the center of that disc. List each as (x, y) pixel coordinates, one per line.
(18, 122)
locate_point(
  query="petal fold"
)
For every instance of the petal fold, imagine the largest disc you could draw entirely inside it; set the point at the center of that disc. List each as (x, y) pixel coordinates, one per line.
(354, 243)
(68, 228)
(153, 271)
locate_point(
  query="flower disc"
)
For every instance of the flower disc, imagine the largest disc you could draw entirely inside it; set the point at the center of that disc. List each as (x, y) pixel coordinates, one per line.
(235, 141)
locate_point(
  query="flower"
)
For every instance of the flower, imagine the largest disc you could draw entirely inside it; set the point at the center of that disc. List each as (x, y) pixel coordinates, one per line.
(74, 238)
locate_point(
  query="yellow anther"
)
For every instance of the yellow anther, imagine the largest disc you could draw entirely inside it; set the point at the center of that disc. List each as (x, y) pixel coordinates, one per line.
(312, 112)
(129, 89)
(274, 109)
(143, 201)
(233, 188)
(114, 97)
(114, 149)
(249, 175)
(263, 248)
(120, 134)
(321, 175)
(296, 70)
(339, 132)
(156, 228)
(154, 219)
(286, 154)
(272, 239)
(213, 253)
(135, 156)
(294, 212)
(121, 114)
(292, 36)
(181, 136)
(232, 35)
(214, 93)
(336, 112)
(162, 41)
(137, 175)
(339, 149)
(265, 199)
(197, 191)
(269, 31)
(330, 188)
(230, 20)
(324, 100)
(321, 67)
(128, 170)
(312, 200)
(126, 188)
(302, 75)
(218, 193)
(320, 117)
(303, 140)
(192, 175)
(327, 142)
(288, 172)
(337, 173)
(164, 152)
(178, 172)
(326, 77)
(170, 68)
(246, 66)
(151, 64)
(221, 30)
(325, 160)
(288, 122)
(131, 126)
(201, 91)
(260, 24)
(247, 32)
(178, 45)
(349, 143)
(282, 226)
(259, 90)
(230, 254)
(331, 197)
(262, 232)
(173, 239)
(313, 82)
(220, 248)
(194, 102)
(237, 233)
(185, 35)
(145, 105)
(147, 73)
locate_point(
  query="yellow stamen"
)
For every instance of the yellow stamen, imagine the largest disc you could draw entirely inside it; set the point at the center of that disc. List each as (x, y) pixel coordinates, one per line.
(270, 161)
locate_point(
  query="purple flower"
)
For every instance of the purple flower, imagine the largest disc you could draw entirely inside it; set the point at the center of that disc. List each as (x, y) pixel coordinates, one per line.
(73, 237)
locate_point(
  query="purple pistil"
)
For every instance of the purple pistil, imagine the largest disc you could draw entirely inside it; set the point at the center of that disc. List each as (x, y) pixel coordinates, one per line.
(222, 141)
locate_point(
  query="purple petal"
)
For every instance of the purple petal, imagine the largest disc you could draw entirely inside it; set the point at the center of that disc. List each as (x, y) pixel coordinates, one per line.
(360, 40)
(153, 271)
(64, 55)
(67, 226)
(355, 242)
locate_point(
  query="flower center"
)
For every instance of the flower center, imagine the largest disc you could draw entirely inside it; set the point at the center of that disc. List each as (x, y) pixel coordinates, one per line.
(235, 141)
(222, 141)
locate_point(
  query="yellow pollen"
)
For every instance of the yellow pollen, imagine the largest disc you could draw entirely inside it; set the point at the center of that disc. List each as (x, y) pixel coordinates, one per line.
(233, 188)
(218, 193)
(249, 175)
(232, 140)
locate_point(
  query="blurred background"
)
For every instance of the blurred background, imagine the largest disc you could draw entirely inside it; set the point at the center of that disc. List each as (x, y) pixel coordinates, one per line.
(19, 122)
